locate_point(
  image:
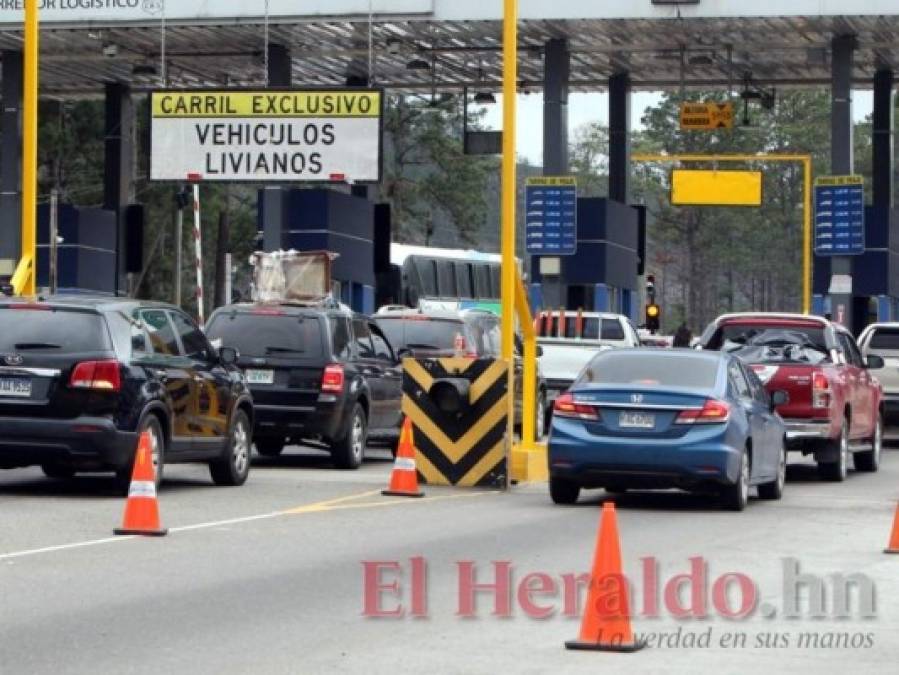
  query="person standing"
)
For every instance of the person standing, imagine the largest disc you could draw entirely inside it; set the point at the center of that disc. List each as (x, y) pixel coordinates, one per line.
(682, 337)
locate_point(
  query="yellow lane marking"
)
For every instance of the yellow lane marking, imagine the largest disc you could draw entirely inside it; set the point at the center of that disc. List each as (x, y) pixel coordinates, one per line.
(328, 503)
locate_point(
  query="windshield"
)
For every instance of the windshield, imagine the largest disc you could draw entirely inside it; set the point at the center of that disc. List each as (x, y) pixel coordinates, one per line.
(267, 335)
(778, 345)
(885, 338)
(52, 330)
(642, 368)
(421, 333)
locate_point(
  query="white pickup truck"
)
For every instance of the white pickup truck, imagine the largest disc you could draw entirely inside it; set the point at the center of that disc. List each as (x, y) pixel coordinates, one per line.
(569, 344)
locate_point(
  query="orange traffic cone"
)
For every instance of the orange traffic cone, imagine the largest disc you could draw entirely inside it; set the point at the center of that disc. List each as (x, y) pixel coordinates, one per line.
(894, 536)
(404, 478)
(606, 624)
(142, 508)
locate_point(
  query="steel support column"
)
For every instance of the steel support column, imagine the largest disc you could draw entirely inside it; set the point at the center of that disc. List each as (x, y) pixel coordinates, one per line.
(11, 164)
(619, 137)
(841, 158)
(280, 74)
(118, 181)
(883, 130)
(358, 75)
(556, 74)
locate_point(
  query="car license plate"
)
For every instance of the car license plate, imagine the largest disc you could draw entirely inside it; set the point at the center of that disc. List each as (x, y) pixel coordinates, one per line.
(636, 420)
(17, 388)
(260, 376)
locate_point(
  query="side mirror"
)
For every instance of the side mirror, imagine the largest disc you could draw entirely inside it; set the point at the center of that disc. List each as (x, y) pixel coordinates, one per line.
(228, 356)
(779, 398)
(874, 362)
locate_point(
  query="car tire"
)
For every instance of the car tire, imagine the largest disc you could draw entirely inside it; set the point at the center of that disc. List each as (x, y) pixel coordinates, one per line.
(58, 471)
(153, 426)
(348, 452)
(869, 460)
(234, 468)
(775, 489)
(837, 471)
(563, 491)
(269, 447)
(735, 497)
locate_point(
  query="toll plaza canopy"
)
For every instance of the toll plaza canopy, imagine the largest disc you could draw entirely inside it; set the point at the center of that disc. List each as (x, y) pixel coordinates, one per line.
(423, 45)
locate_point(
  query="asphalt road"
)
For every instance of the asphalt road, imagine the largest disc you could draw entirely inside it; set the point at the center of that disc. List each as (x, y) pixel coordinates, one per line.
(268, 578)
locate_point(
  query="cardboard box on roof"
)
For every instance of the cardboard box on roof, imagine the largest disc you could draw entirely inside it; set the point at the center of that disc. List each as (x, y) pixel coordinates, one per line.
(292, 276)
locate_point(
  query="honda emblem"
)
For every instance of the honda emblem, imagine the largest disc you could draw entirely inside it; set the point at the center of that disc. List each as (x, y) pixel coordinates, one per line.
(636, 398)
(13, 360)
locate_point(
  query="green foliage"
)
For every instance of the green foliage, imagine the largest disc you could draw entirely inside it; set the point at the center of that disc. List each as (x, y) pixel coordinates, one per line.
(429, 181)
(708, 260)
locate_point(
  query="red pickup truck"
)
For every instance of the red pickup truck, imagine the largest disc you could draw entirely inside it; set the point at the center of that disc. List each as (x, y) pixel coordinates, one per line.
(835, 403)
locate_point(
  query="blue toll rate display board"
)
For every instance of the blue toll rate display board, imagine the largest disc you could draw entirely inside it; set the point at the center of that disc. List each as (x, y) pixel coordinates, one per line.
(839, 215)
(551, 215)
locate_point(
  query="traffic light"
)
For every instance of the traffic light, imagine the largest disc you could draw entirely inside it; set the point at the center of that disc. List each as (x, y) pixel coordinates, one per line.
(653, 317)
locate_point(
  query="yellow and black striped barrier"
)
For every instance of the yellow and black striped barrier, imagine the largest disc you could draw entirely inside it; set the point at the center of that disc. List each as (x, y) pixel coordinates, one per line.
(468, 447)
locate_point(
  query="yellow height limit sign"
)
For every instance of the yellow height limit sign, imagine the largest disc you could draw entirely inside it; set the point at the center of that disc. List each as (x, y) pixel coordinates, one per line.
(272, 135)
(696, 116)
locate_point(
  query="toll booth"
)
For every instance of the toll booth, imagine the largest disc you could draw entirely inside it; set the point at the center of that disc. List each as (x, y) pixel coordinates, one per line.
(602, 275)
(875, 273)
(86, 252)
(325, 220)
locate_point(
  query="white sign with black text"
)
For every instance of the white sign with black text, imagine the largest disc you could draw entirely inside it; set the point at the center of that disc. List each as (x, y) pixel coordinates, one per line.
(267, 136)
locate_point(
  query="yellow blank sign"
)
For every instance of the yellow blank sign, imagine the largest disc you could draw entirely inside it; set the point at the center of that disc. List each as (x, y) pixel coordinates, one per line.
(716, 188)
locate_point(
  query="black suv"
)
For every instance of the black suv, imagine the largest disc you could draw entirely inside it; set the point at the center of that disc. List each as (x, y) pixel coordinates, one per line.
(81, 377)
(317, 373)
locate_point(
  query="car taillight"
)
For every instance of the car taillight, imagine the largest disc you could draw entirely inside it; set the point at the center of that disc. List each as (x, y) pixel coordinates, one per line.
(820, 390)
(332, 380)
(566, 406)
(713, 412)
(99, 375)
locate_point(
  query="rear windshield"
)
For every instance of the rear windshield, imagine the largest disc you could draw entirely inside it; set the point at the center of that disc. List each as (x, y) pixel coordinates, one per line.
(780, 345)
(734, 337)
(268, 335)
(591, 328)
(52, 330)
(885, 338)
(425, 333)
(642, 368)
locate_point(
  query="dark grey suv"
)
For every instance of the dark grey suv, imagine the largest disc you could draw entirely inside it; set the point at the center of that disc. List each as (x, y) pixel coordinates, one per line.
(320, 374)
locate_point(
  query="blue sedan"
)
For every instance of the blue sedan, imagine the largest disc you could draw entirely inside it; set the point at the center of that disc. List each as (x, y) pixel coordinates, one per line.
(645, 418)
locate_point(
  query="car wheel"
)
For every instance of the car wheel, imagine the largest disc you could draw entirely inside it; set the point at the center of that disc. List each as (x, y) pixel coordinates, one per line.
(61, 471)
(775, 489)
(563, 491)
(269, 447)
(234, 467)
(152, 426)
(838, 470)
(349, 450)
(869, 460)
(735, 497)
(540, 417)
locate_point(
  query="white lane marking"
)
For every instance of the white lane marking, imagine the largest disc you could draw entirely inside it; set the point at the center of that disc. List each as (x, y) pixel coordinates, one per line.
(63, 547)
(325, 505)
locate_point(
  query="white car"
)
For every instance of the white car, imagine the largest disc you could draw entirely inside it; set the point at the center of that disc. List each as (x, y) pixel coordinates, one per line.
(882, 339)
(570, 343)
